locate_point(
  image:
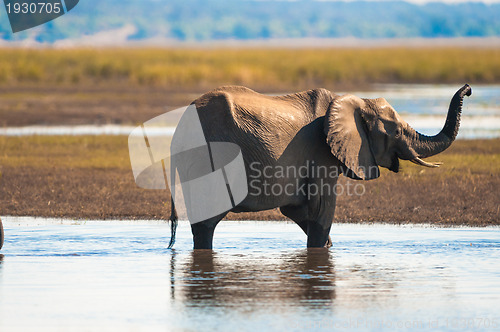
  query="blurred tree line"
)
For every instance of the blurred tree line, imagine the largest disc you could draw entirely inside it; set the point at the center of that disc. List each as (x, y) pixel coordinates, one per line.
(197, 20)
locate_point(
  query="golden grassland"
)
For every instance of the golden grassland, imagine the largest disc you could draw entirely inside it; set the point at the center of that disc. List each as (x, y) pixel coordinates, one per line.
(278, 69)
(90, 177)
(111, 152)
(66, 152)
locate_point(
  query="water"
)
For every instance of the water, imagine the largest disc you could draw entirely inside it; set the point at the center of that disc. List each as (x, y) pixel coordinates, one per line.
(425, 107)
(422, 106)
(60, 275)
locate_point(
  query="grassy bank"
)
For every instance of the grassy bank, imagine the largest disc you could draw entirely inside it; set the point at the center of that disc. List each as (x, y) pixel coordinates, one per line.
(275, 69)
(90, 177)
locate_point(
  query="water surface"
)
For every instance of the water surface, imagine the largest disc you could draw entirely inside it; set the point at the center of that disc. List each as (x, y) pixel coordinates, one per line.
(423, 106)
(119, 276)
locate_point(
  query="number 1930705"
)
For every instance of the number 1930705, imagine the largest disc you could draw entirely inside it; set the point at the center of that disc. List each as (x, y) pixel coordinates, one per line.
(34, 8)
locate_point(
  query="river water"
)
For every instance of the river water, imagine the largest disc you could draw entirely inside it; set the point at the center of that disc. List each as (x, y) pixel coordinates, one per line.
(63, 275)
(424, 107)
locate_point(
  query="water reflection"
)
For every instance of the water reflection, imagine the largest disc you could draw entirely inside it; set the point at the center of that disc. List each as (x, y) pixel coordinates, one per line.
(172, 274)
(1, 264)
(374, 277)
(423, 106)
(305, 277)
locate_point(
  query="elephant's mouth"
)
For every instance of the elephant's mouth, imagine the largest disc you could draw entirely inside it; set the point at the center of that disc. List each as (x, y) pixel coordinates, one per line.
(395, 164)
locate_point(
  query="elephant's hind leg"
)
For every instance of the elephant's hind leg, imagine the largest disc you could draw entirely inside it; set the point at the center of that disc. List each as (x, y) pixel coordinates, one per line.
(203, 232)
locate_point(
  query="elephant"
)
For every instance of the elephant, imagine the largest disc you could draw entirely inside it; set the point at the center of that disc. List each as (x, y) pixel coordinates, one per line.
(1, 234)
(296, 146)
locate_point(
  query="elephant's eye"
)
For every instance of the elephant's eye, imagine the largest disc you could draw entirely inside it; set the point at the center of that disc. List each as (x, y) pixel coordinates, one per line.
(398, 132)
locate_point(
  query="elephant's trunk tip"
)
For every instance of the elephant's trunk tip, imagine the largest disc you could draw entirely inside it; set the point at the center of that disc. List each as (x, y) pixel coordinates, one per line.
(426, 146)
(466, 90)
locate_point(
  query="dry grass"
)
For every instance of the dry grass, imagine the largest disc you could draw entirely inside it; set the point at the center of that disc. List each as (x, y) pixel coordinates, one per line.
(258, 68)
(65, 152)
(90, 177)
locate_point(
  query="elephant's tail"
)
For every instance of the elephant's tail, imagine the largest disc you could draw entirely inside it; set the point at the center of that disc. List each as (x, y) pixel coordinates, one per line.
(173, 223)
(173, 212)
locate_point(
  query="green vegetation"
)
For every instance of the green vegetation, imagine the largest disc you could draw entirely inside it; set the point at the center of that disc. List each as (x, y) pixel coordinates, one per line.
(258, 68)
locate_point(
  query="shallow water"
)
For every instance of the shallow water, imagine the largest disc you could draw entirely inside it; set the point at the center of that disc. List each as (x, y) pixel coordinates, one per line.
(422, 106)
(96, 275)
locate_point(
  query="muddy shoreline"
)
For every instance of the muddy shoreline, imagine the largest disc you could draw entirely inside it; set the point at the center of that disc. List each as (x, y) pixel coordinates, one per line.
(90, 177)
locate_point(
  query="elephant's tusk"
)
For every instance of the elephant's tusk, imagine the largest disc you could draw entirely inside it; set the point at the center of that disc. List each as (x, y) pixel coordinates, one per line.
(420, 162)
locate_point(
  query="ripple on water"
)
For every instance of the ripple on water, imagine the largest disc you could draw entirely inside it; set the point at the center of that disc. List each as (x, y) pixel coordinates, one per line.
(118, 275)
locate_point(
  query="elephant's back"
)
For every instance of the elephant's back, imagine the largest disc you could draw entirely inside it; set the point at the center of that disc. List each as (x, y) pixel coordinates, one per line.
(245, 107)
(232, 113)
(259, 124)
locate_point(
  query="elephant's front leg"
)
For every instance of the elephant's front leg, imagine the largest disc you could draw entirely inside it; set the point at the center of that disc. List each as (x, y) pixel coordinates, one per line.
(305, 227)
(318, 236)
(314, 219)
(322, 211)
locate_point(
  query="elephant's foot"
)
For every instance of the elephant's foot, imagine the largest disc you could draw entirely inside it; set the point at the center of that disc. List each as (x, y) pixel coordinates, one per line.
(328, 243)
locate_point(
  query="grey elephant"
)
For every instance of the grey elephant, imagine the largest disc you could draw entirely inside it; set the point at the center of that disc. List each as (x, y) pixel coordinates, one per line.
(296, 146)
(1, 234)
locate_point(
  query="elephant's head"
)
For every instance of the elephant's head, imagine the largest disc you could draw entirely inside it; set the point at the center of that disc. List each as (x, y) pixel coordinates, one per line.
(366, 133)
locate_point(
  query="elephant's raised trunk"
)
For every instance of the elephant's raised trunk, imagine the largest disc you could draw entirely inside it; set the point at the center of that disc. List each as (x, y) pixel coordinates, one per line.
(426, 146)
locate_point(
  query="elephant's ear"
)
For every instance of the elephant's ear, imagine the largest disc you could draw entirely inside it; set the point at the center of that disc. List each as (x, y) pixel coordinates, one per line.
(346, 134)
